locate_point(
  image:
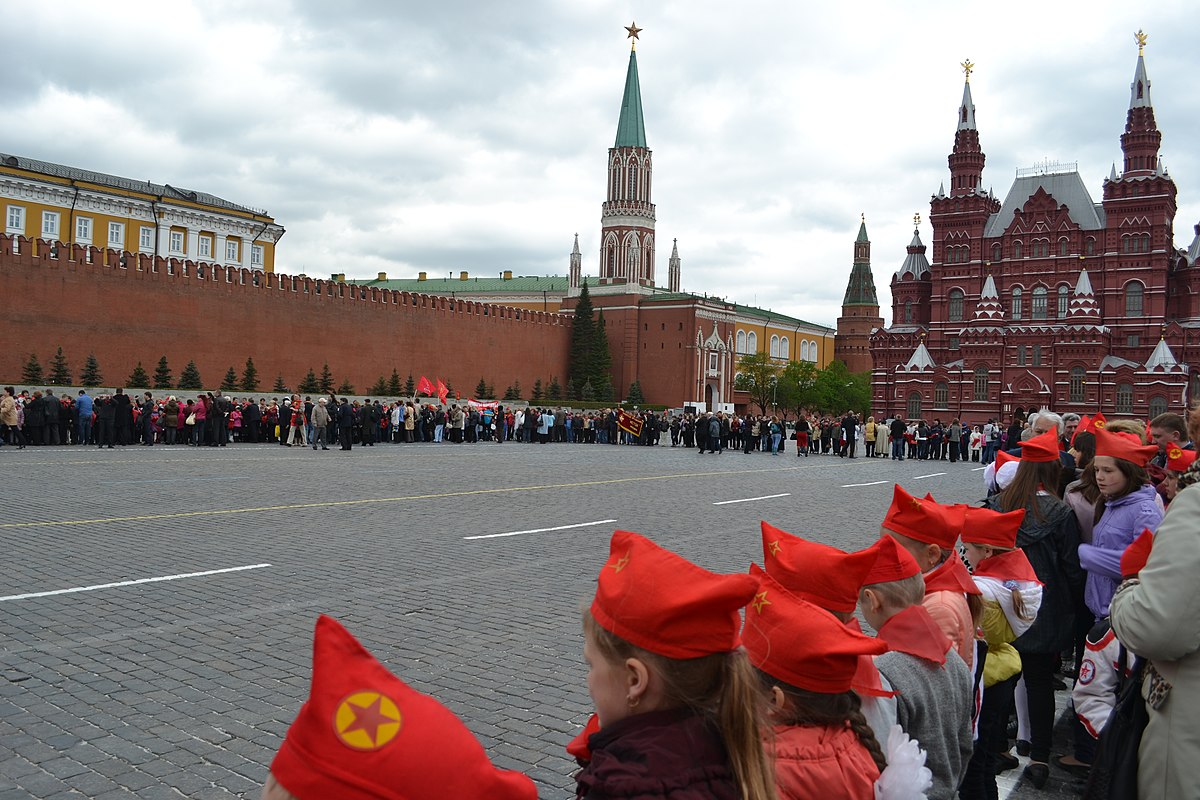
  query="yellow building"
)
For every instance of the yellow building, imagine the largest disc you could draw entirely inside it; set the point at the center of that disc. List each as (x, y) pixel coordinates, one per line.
(48, 201)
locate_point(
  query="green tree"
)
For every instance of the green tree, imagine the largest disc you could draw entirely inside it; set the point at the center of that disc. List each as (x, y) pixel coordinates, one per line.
(410, 386)
(310, 385)
(757, 375)
(60, 373)
(230, 382)
(605, 391)
(190, 377)
(554, 391)
(513, 392)
(91, 372)
(840, 390)
(481, 390)
(635, 396)
(138, 379)
(32, 371)
(796, 390)
(250, 376)
(279, 386)
(601, 371)
(326, 379)
(379, 387)
(491, 391)
(394, 388)
(536, 397)
(581, 359)
(587, 392)
(346, 388)
(162, 375)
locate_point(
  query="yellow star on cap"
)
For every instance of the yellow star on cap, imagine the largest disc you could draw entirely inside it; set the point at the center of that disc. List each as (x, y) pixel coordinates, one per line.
(621, 563)
(915, 503)
(773, 547)
(367, 720)
(760, 600)
(1175, 452)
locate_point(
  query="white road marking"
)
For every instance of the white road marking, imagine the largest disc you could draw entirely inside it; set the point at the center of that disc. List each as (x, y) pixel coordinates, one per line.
(542, 530)
(183, 480)
(872, 483)
(132, 583)
(751, 499)
(977, 469)
(930, 475)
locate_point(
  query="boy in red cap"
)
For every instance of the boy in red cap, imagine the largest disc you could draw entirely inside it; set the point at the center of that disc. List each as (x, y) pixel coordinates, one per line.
(674, 693)
(935, 687)
(363, 734)
(1178, 462)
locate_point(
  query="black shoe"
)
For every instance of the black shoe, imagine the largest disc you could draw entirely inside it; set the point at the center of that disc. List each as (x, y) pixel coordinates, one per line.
(1023, 747)
(1037, 774)
(1079, 770)
(1005, 762)
(1059, 685)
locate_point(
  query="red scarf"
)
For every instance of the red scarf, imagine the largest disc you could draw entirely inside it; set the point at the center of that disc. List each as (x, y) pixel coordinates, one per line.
(866, 679)
(914, 632)
(950, 576)
(1011, 566)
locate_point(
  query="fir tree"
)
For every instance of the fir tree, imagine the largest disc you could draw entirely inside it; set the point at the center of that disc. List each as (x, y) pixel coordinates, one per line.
(379, 387)
(162, 374)
(250, 376)
(481, 391)
(279, 386)
(536, 397)
(587, 392)
(581, 358)
(554, 391)
(190, 377)
(605, 391)
(60, 373)
(91, 372)
(410, 386)
(601, 370)
(511, 393)
(346, 388)
(326, 379)
(138, 378)
(394, 388)
(634, 396)
(230, 383)
(32, 371)
(310, 385)
(491, 391)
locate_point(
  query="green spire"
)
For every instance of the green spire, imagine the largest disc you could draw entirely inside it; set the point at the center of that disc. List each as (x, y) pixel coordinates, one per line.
(862, 231)
(631, 130)
(860, 291)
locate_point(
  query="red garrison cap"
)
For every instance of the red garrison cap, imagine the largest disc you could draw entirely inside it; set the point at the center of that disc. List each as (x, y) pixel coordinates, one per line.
(892, 563)
(364, 734)
(665, 604)
(1041, 448)
(1178, 459)
(921, 519)
(825, 576)
(1125, 446)
(985, 526)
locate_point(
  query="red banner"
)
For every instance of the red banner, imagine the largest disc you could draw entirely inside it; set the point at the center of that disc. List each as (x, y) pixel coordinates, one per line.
(424, 387)
(629, 422)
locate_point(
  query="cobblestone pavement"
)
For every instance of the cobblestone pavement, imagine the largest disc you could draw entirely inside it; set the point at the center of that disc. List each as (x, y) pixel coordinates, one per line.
(184, 687)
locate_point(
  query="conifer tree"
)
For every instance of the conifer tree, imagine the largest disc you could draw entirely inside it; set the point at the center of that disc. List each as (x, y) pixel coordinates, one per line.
(138, 379)
(491, 391)
(581, 359)
(379, 387)
(410, 386)
(511, 393)
(601, 359)
(587, 392)
(394, 388)
(634, 396)
(230, 383)
(250, 376)
(554, 391)
(346, 388)
(326, 379)
(279, 386)
(32, 371)
(60, 373)
(190, 377)
(481, 391)
(162, 374)
(310, 384)
(536, 397)
(91, 372)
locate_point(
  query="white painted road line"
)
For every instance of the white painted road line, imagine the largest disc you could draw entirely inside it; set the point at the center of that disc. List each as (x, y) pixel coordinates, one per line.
(872, 483)
(183, 480)
(132, 583)
(751, 499)
(977, 469)
(930, 475)
(541, 530)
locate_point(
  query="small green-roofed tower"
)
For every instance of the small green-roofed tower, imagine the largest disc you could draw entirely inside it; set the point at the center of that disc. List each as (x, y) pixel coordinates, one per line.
(860, 309)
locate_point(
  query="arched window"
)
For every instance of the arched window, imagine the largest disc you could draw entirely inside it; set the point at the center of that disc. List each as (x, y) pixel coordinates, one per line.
(1124, 398)
(941, 395)
(1016, 249)
(914, 405)
(774, 347)
(981, 384)
(955, 312)
(1145, 243)
(1016, 302)
(804, 350)
(813, 355)
(1089, 247)
(1064, 300)
(633, 171)
(1133, 299)
(1077, 378)
(741, 341)
(751, 342)
(908, 315)
(1158, 405)
(784, 348)
(1038, 306)
(996, 252)
(1125, 246)
(1063, 244)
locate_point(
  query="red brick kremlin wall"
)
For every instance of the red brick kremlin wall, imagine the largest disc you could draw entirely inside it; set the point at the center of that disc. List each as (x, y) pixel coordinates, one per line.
(84, 300)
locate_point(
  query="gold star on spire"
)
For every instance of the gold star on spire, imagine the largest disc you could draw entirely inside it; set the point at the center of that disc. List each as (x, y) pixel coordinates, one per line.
(967, 67)
(1141, 38)
(634, 30)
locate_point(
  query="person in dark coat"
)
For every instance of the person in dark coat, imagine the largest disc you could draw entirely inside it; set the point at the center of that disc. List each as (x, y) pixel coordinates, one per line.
(51, 413)
(147, 420)
(345, 421)
(251, 417)
(285, 423)
(106, 415)
(123, 419)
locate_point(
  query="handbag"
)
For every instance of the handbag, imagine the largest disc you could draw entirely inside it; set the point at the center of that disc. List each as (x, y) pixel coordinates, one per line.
(191, 419)
(1115, 763)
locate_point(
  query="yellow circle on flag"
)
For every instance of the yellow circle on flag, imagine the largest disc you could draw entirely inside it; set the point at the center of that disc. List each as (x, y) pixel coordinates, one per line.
(367, 720)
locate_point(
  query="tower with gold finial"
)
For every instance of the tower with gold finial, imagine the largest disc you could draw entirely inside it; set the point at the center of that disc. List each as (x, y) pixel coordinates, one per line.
(627, 215)
(860, 309)
(575, 275)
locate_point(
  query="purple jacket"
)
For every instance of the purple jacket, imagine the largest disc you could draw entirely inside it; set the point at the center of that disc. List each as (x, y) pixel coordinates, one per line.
(1123, 520)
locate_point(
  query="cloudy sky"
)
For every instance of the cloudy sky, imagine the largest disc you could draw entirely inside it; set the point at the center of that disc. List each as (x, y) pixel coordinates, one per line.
(472, 134)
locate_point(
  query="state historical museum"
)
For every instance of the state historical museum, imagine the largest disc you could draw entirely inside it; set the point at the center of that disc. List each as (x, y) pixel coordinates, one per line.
(1049, 298)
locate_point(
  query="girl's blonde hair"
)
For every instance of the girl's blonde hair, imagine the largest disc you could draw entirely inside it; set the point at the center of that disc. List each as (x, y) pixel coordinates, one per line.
(722, 688)
(1018, 599)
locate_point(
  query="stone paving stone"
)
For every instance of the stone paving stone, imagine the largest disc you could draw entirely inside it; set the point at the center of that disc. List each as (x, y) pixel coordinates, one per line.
(185, 688)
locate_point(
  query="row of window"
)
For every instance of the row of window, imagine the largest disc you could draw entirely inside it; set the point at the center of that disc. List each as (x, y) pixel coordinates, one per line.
(1040, 248)
(634, 189)
(1039, 303)
(780, 347)
(84, 234)
(1123, 400)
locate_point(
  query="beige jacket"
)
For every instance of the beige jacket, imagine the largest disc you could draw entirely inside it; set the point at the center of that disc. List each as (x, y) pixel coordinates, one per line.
(1159, 619)
(8, 410)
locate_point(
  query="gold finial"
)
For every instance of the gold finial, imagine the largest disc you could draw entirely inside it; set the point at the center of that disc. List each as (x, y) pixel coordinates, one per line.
(967, 67)
(864, 217)
(916, 220)
(634, 30)
(1141, 41)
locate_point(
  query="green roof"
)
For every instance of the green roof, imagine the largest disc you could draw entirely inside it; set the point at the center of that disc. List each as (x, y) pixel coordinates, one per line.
(631, 130)
(446, 286)
(862, 232)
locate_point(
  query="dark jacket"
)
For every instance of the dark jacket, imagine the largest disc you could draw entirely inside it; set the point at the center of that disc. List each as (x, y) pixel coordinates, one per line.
(1052, 546)
(659, 754)
(345, 415)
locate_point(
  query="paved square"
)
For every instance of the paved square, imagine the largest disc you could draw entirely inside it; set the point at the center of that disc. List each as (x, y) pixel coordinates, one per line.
(183, 687)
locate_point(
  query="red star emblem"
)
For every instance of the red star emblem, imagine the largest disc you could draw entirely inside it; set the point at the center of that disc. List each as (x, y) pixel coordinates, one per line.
(621, 563)
(367, 720)
(760, 600)
(773, 547)
(1174, 453)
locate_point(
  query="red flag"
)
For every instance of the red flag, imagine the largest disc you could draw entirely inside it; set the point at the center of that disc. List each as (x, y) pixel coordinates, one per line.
(424, 387)
(442, 392)
(628, 422)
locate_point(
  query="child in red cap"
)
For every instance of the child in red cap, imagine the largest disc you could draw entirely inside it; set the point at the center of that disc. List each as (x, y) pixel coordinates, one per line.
(935, 687)
(676, 698)
(1011, 596)
(363, 734)
(1178, 462)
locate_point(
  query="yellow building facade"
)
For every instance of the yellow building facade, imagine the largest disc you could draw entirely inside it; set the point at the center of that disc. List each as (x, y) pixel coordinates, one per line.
(56, 203)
